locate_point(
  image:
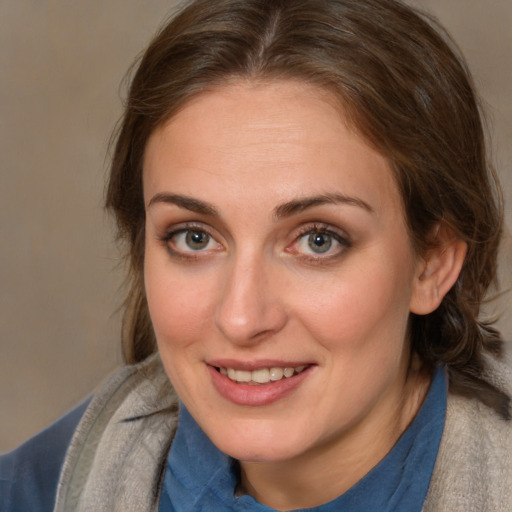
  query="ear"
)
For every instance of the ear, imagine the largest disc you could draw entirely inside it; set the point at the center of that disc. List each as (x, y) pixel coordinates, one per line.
(437, 270)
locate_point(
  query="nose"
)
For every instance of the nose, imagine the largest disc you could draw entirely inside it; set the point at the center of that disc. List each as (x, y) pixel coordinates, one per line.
(250, 307)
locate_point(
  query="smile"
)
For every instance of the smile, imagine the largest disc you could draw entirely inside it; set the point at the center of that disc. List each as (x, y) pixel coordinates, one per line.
(258, 384)
(261, 375)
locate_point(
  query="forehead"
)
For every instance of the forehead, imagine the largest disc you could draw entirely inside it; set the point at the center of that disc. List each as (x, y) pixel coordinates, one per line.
(285, 137)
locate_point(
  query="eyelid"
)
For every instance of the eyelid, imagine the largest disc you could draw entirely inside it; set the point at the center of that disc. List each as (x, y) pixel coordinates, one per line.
(181, 228)
(340, 236)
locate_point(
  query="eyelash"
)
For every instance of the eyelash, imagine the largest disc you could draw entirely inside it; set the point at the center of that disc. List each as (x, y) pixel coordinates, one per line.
(307, 230)
(322, 229)
(167, 238)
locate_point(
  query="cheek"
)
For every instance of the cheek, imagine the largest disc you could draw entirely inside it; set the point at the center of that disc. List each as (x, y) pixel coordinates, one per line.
(363, 310)
(179, 311)
(178, 306)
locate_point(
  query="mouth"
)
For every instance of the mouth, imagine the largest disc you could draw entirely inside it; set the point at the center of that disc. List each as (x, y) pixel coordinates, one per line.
(258, 383)
(260, 376)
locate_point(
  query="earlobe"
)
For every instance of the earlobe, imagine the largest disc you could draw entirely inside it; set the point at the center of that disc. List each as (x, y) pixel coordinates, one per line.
(437, 271)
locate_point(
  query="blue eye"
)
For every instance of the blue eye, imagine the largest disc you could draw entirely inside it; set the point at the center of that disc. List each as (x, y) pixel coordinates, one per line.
(191, 240)
(318, 241)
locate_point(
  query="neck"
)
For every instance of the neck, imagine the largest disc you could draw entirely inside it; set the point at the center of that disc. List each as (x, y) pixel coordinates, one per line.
(327, 471)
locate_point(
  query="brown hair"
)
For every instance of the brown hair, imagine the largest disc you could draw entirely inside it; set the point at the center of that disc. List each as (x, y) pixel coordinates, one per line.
(404, 87)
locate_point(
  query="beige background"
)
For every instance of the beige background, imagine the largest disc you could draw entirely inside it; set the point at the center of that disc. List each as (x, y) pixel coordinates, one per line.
(61, 65)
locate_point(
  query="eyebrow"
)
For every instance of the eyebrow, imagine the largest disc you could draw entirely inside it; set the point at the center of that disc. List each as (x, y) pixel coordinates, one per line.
(299, 205)
(189, 203)
(284, 210)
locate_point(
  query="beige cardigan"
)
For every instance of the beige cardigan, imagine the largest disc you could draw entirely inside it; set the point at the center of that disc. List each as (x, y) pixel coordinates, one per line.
(118, 454)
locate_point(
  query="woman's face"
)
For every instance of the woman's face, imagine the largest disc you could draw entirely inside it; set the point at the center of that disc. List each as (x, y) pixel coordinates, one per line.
(278, 272)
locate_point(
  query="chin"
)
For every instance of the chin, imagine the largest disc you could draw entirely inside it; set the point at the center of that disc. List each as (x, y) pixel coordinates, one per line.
(256, 452)
(260, 444)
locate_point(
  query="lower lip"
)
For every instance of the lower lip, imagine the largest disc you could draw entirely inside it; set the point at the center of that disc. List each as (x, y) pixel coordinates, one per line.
(259, 394)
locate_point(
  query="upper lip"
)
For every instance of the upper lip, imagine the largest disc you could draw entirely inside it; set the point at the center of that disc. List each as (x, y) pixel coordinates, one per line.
(256, 365)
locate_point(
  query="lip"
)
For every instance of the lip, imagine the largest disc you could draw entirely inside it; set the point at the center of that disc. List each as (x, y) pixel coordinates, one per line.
(255, 395)
(256, 365)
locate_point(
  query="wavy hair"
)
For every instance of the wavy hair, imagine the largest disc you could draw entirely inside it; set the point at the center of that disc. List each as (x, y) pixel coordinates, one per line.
(404, 87)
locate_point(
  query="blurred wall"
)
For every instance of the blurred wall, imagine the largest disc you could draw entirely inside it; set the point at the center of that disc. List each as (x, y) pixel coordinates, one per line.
(62, 62)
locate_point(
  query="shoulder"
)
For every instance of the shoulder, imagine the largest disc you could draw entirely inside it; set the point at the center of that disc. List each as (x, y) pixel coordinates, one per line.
(473, 469)
(29, 474)
(122, 443)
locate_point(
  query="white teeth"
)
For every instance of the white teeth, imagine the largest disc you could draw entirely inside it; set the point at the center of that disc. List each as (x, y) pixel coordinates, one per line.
(276, 373)
(288, 372)
(262, 375)
(243, 376)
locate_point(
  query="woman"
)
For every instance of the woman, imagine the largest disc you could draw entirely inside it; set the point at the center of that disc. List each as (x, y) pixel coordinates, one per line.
(311, 226)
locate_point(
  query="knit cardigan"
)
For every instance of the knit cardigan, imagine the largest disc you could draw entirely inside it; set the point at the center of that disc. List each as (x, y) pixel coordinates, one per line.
(118, 455)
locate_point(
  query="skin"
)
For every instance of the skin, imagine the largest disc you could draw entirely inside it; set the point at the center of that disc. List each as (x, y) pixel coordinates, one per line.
(258, 291)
